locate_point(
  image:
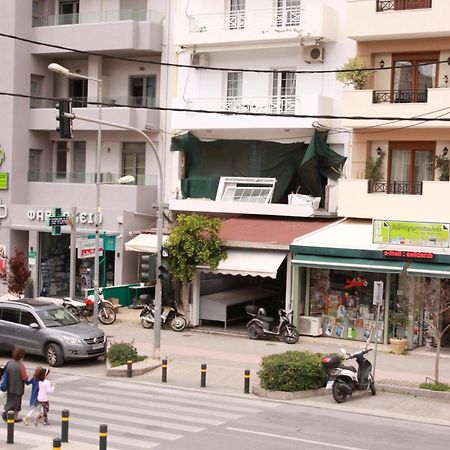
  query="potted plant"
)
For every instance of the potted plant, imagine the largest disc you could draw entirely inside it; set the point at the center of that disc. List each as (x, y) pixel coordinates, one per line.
(399, 321)
(354, 73)
(374, 170)
(442, 164)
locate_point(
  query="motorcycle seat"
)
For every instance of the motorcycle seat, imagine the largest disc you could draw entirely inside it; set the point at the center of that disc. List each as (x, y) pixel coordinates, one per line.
(265, 318)
(353, 369)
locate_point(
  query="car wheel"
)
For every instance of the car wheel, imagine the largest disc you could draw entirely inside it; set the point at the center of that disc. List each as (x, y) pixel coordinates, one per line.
(54, 355)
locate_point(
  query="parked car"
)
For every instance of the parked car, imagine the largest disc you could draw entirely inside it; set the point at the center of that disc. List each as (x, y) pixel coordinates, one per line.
(47, 329)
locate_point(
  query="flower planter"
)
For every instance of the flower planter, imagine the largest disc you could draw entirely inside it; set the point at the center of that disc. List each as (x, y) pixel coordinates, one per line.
(398, 346)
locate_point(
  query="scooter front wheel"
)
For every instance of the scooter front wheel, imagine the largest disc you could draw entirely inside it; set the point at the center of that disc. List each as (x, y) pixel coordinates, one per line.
(339, 392)
(290, 335)
(178, 323)
(372, 387)
(107, 315)
(254, 332)
(146, 323)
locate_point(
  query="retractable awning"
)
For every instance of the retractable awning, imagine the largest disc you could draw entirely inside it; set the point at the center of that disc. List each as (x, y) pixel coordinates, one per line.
(255, 263)
(144, 242)
(429, 270)
(365, 265)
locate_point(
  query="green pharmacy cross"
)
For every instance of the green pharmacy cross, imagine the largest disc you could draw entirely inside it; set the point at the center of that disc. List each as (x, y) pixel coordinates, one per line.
(56, 220)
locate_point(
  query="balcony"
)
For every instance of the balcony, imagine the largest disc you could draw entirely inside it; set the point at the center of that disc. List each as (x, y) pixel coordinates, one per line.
(397, 19)
(356, 200)
(386, 103)
(395, 187)
(311, 105)
(310, 21)
(139, 30)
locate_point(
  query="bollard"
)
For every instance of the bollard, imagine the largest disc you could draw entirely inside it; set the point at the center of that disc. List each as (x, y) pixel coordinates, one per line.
(103, 435)
(129, 368)
(10, 427)
(247, 381)
(203, 375)
(65, 425)
(56, 443)
(164, 370)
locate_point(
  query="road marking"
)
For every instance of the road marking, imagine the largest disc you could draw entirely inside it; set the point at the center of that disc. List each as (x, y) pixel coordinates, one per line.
(289, 438)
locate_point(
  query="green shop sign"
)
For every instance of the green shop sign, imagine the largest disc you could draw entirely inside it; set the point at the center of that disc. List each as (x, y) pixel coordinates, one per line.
(4, 181)
(418, 234)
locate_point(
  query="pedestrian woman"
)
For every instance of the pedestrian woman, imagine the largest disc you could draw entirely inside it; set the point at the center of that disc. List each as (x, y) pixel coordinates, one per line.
(17, 377)
(34, 404)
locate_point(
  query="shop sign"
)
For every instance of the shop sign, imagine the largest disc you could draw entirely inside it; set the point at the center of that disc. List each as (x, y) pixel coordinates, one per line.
(418, 234)
(4, 181)
(32, 258)
(43, 215)
(86, 248)
(407, 255)
(2, 258)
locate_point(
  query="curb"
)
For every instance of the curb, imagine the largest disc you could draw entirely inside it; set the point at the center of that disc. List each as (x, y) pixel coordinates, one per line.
(139, 368)
(416, 392)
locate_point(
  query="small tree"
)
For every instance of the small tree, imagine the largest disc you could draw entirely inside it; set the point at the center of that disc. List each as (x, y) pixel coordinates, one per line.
(432, 296)
(353, 73)
(374, 168)
(16, 274)
(194, 241)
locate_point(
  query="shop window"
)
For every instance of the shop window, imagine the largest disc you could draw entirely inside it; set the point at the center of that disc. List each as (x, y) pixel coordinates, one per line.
(133, 161)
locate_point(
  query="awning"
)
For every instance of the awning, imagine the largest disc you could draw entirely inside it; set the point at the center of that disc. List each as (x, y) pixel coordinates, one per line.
(144, 242)
(364, 265)
(429, 270)
(255, 263)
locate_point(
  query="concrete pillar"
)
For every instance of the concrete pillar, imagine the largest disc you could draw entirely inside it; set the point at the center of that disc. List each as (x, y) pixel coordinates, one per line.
(195, 307)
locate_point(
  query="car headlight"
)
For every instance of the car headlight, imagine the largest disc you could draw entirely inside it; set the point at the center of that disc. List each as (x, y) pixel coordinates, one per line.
(72, 340)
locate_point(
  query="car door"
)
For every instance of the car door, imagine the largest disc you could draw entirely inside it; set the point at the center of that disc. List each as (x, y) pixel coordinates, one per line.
(26, 337)
(9, 319)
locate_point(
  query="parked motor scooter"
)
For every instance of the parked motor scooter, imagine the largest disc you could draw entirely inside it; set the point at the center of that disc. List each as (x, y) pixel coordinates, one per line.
(85, 309)
(345, 380)
(262, 325)
(175, 319)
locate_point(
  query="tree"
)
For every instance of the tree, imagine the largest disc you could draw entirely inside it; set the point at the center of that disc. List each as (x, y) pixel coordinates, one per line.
(193, 241)
(16, 274)
(354, 72)
(432, 297)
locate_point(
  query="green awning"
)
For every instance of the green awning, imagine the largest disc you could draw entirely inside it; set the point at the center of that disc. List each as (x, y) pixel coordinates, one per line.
(363, 265)
(429, 270)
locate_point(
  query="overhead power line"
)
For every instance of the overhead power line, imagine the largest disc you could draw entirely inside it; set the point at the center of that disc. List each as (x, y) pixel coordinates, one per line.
(188, 66)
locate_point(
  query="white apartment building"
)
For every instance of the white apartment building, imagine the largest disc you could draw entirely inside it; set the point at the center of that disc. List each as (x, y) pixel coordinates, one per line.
(41, 171)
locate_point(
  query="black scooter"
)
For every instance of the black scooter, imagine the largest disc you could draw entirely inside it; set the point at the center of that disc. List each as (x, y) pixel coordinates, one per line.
(262, 325)
(175, 319)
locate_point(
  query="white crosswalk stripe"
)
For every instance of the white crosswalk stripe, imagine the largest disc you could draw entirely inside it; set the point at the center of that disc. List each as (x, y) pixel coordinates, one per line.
(139, 416)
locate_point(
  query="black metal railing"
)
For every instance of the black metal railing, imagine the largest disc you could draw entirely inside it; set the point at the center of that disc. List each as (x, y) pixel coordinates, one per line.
(399, 5)
(400, 96)
(395, 187)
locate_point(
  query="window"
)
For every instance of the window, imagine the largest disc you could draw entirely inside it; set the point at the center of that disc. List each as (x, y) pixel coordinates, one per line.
(36, 83)
(411, 79)
(287, 13)
(37, 13)
(234, 90)
(283, 92)
(11, 315)
(79, 162)
(69, 12)
(78, 91)
(143, 91)
(245, 189)
(235, 19)
(34, 164)
(27, 318)
(61, 160)
(410, 163)
(133, 161)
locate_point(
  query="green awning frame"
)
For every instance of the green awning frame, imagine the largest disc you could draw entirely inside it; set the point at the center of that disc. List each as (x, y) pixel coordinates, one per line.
(429, 270)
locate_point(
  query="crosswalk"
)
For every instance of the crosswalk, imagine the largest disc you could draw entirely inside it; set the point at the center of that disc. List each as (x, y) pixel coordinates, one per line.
(139, 416)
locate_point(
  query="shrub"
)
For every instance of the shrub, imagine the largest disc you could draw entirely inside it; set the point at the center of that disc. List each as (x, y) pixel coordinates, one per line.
(292, 371)
(120, 352)
(442, 387)
(354, 73)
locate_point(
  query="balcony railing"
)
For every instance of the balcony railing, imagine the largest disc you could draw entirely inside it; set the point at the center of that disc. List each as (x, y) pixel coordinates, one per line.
(283, 104)
(87, 178)
(139, 15)
(399, 5)
(400, 96)
(83, 102)
(395, 187)
(289, 16)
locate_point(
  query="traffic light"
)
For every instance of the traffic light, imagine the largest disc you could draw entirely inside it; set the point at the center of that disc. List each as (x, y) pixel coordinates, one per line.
(64, 107)
(163, 272)
(147, 268)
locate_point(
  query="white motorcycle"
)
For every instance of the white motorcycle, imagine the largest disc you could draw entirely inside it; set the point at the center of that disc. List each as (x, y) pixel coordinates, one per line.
(344, 380)
(85, 309)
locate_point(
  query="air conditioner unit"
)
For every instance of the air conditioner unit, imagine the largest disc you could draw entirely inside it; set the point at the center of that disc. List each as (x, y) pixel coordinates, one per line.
(199, 59)
(313, 53)
(310, 326)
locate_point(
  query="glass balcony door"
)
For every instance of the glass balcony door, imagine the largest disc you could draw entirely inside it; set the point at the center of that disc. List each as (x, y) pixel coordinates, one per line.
(69, 12)
(235, 18)
(283, 92)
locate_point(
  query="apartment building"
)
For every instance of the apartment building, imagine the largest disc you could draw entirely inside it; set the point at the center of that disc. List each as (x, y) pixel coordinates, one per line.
(41, 171)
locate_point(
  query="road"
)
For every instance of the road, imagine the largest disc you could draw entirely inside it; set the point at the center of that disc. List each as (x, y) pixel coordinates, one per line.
(143, 416)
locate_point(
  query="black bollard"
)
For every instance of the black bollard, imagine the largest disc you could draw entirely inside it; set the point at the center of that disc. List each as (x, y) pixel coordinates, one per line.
(203, 375)
(129, 368)
(164, 371)
(65, 425)
(56, 443)
(103, 436)
(247, 381)
(10, 427)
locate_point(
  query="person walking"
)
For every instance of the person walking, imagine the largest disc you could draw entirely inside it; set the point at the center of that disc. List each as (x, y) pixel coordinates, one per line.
(34, 395)
(45, 388)
(17, 377)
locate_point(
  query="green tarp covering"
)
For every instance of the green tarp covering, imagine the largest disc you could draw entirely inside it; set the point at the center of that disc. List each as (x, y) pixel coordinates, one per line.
(207, 161)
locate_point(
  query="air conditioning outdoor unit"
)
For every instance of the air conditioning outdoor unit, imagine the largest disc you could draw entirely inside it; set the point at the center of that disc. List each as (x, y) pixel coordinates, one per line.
(310, 326)
(313, 53)
(199, 59)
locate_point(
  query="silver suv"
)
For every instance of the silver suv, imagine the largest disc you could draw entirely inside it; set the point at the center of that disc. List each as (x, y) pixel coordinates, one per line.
(47, 329)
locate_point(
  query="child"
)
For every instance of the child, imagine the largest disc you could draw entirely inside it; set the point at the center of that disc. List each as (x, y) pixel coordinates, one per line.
(45, 388)
(34, 394)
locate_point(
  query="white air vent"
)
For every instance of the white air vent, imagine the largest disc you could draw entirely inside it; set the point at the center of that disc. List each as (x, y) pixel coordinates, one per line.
(199, 59)
(313, 53)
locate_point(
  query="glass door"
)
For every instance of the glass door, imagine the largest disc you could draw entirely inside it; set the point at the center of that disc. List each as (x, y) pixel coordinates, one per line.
(235, 19)
(69, 12)
(78, 92)
(287, 13)
(283, 92)
(79, 162)
(234, 91)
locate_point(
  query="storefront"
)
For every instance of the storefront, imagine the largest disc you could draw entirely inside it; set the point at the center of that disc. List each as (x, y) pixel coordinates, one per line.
(334, 271)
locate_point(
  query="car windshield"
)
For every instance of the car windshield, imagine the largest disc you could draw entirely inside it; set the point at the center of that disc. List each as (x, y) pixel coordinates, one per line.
(57, 317)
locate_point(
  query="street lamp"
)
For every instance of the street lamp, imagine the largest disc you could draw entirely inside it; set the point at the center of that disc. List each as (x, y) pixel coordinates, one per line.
(57, 68)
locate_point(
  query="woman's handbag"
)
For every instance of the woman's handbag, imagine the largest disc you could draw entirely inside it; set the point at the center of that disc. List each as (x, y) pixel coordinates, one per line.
(4, 380)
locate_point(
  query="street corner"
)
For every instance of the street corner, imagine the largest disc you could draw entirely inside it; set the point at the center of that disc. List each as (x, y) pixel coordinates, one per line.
(138, 368)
